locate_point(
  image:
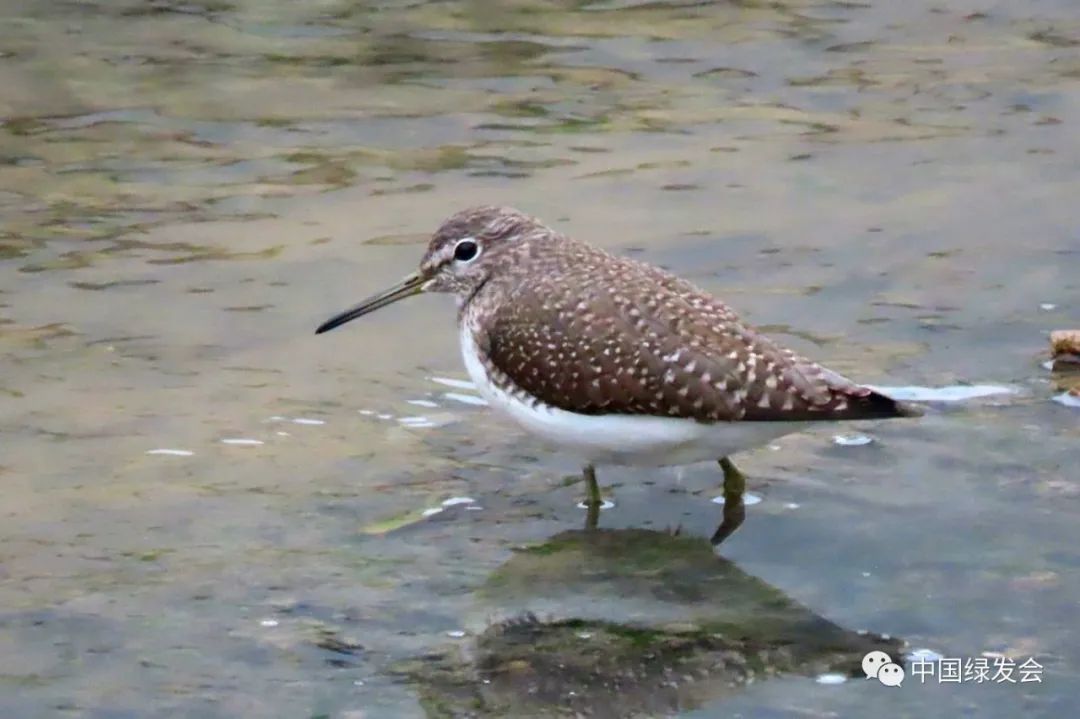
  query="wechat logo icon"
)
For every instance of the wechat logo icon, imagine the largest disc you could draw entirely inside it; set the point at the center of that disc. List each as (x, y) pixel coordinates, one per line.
(879, 665)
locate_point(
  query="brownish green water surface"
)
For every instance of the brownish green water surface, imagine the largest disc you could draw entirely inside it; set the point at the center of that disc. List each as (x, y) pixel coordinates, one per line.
(209, 512)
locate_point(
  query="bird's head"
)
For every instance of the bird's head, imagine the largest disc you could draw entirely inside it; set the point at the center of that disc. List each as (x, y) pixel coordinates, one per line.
(459, 258)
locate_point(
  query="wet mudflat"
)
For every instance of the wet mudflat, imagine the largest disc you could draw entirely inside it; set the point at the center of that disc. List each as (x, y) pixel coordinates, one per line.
(208, 512)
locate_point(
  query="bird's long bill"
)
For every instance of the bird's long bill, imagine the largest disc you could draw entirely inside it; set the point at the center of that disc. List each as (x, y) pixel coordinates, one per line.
(411, 285)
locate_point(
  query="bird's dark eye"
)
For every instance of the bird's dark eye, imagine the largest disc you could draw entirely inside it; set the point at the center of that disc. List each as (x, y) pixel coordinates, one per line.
(465, 250)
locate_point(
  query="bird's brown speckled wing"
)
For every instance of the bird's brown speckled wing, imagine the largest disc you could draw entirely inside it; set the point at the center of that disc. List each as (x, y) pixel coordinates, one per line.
(621, 337)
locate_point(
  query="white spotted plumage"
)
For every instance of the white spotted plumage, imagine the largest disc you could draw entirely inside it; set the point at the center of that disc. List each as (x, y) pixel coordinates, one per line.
(640, 440)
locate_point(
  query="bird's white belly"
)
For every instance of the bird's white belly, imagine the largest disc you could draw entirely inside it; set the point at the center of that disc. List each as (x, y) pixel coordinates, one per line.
(622, 439)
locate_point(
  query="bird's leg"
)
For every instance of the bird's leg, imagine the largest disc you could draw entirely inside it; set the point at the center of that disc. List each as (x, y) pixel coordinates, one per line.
(734, 480)
(592, 498)
(734, 509)
(592, 487)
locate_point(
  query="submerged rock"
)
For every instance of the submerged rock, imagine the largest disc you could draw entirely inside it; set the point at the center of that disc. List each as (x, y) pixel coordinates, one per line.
(1065, 363)
(1065, 347)
(652, 624)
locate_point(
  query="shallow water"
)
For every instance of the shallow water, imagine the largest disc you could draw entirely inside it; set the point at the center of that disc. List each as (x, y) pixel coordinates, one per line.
(188, 188)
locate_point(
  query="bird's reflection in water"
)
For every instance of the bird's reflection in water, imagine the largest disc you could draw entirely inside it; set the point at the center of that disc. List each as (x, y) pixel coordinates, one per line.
(629, 623)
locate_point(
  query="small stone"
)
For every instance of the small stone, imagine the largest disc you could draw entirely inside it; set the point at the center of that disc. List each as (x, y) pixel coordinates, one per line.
(1065, 347)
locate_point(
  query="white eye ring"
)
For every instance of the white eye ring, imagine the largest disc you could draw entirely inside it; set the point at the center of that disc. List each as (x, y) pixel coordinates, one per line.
(466, 250)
